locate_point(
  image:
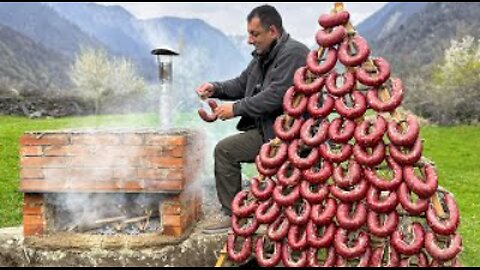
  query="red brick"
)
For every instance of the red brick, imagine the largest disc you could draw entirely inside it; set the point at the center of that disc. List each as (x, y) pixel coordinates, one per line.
(102, 160)
(33, 199)
(156, 139)
(172, 220)
(178, 151)
(55, 150)
(173, 231)
(164, 162)
(163, 185)
(160, 174)
(169, 208)
(45, 139)
(79, 150)
(133, 139)
(33, 230)
(31, 174)
(96, 139)
(156, 150)
(125, 173)
(87, 174)
(56, 174)
(43, 162)
(31, 151)
(33, 219)
(33, 210)
(94, 186)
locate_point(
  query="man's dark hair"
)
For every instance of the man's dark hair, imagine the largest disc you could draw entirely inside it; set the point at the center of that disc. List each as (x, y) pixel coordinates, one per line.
(268, 16)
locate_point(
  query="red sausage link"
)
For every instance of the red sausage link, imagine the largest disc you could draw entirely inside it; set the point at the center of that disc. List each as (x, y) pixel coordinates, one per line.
(377, 258)
(297, 237)
(328, 39)
(375, 81)
(341, 244)
(396, 98)
(288, 106)
(239, 206)
(262, 193)
(358, 109)
(381, 206)
(343, 155)
(352, 176)
(288, 174)
(320, 240)
(369, 139)
(413, 208)
(289, 261)
(315, 65)
(362, 54)
(354, 221)
(324, 110)
(299, 162)
(300, 78)
(407, 138)
(314, 193)
(361, 155)
(424, 188)
(318, 174)
(412, 248)
(208, 117)
(298, 218)
(275, 161)
(274, 257)
(382, 184)
(347, 87)
(244, 230)
(409, 158)
(350, 196)
(332, 20)
(448, 226)
(443, 254)
(323, 213)
(313, 136)
(267, 212)
(341, 130)
(382, 230)
(278, 230)
(241, 255)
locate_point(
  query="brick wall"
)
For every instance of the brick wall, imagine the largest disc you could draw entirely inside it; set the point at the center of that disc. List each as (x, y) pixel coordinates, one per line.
(113, 162)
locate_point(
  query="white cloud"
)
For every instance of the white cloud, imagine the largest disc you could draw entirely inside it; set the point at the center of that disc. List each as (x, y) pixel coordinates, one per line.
(300, 19)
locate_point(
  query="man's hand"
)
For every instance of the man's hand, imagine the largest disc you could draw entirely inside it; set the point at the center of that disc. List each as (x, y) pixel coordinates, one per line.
(205, 91)
(225, 111)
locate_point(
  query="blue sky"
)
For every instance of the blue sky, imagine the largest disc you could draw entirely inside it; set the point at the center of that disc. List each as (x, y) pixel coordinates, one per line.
(300, 19)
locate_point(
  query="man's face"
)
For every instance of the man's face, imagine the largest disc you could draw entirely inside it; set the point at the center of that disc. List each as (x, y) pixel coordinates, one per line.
(259, 37)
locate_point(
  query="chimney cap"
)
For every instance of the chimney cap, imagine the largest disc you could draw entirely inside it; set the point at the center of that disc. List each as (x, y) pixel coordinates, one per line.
(164, 51)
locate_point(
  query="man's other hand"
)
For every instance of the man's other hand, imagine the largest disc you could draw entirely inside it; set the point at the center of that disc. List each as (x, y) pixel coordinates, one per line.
(225, 111)
(205, 90)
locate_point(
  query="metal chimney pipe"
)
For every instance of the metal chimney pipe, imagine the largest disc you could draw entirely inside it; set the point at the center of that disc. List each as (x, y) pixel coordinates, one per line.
(165, 74)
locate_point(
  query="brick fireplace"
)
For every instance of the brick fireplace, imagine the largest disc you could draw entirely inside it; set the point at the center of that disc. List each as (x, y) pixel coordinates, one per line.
(161, 166)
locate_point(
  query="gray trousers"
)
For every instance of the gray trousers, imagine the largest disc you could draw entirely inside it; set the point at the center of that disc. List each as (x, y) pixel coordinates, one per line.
(229, 154)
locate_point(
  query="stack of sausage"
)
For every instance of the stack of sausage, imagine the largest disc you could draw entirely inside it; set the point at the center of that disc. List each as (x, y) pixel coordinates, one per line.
(321, 196)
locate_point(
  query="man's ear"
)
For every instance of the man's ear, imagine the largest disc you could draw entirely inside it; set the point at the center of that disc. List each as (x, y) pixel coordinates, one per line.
(274, 31)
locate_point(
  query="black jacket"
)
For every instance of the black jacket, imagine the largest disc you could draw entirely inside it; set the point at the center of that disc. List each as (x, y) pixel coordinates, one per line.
(259, 90)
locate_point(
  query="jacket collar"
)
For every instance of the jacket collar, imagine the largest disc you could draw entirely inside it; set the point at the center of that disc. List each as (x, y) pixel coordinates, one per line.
(270, 55)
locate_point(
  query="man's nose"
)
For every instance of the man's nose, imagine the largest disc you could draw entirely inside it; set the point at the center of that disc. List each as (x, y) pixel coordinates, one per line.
(251, 41)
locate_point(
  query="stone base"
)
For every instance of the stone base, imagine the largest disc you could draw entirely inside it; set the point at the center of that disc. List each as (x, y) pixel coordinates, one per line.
(197, 250)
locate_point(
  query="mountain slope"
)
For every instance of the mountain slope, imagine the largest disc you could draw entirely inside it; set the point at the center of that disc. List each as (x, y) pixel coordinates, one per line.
(27, 66)
(45, 26)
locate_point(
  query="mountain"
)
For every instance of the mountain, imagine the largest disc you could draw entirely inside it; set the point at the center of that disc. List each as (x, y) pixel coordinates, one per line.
(45, 26)
(28, 66)
(112, 25)
(388, 19)
(422, 40)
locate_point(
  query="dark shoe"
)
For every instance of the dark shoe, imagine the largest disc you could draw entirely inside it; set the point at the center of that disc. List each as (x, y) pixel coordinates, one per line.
(220, 224)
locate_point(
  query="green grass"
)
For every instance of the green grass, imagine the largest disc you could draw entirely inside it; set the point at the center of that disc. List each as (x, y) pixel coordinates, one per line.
(455, 151)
